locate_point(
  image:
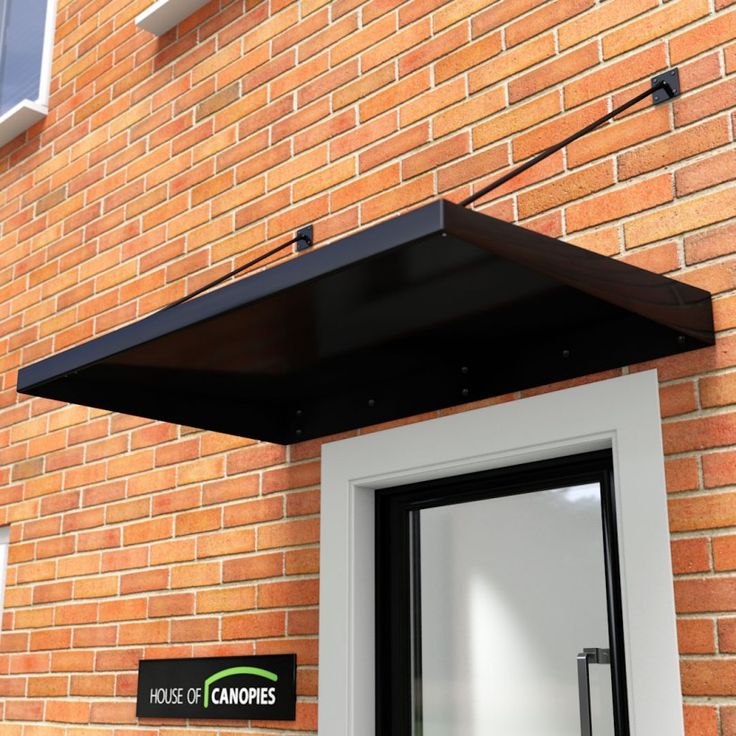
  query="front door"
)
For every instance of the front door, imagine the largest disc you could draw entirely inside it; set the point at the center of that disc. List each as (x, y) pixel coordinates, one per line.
(498, 606)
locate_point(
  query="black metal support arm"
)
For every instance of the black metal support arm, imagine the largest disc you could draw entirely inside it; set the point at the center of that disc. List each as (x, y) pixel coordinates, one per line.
(304, 238)
(668, 82)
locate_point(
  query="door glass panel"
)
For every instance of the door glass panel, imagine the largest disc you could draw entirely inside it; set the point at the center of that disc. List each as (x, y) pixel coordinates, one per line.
(507, 592)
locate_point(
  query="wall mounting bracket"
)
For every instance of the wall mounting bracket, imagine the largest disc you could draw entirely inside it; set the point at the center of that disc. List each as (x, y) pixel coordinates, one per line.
(305, 237)
(665, 86)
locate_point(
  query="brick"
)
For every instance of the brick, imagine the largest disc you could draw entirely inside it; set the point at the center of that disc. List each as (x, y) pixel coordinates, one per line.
(709, 101)
(706, 595)
(408, 195)
(192, 522)
(148, 531)
(624, 201)
(289, 533)
(411, 37)
(199, 574)
(551, 15)
(179, 500)
(297, 166)
(716, 169)
(52, 592)
(565, 189)
(658, 24)
(252, 567)
(724, 552)
(690, 555)
(498, 14)
(727, 635)
(254, 625)
(681, 217)
(198, 629)
(254, 457)
(436, 99)
(553, 72)
(392, 95)
(719, 390)
(467, 57)
(46, 640)
(149, 632)
(512, 62)
(326, 178)
(730, 56)
(293, 476)
(394, 147)
(29, 663)
(329, 37)
(54, 686)
(72, 661)
(662, 258)
(291, 593)
(615, 76)
(695, 636)
(602, 18)
(719, 469)
(676, 147)
(23, 710)
(325, 131)
(148, 580)
(704, 36)
(708, 676)
(712, 243)
(700, 72)
(92, 685)
(123, 609)
(225, 599)
(454, 117)
(230, 489)
(222, 543)
(112, 712)
(95, 636)
(363, 187)
(677, 399)
(724, 313)
(440, 45)
(102, 539)
(701, 720)
(702, 512)
(303, 622)
(254, 511)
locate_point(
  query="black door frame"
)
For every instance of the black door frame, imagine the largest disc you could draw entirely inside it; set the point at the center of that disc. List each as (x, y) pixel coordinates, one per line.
(398, 583)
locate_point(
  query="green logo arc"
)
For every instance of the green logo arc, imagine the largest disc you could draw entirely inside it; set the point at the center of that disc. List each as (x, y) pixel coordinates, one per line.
(229, 672)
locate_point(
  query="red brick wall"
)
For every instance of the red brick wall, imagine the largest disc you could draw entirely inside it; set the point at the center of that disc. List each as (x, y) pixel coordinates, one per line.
(166, 162)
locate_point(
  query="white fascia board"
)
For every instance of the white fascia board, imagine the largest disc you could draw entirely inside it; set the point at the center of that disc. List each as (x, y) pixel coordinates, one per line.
(163, 15)
(19, 118)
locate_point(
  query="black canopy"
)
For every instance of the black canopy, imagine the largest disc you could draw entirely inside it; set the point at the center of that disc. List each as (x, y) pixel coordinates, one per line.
(430, 309)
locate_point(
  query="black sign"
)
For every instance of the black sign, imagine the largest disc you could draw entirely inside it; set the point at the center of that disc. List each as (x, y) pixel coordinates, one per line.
(242, 688)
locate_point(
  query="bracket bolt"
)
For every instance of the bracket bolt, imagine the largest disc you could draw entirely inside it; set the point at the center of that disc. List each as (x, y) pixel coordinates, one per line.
(465, 392)
(565, 353)
(371, 403)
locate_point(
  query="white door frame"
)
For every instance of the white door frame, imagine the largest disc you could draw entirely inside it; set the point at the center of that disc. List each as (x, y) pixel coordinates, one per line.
(621, 414)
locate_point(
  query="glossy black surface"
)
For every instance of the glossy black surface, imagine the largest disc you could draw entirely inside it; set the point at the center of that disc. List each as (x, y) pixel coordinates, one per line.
(431, 309)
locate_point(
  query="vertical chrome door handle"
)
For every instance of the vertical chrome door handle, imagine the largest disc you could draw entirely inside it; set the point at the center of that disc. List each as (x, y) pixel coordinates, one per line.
(592, 655)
